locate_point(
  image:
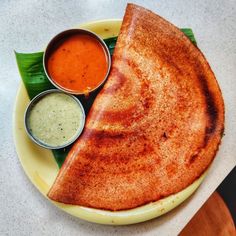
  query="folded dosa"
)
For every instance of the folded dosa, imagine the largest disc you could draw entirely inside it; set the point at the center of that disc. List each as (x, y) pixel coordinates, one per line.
(153, 129)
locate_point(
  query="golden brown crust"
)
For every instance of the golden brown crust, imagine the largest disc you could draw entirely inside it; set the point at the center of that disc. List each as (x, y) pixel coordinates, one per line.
(155, 126)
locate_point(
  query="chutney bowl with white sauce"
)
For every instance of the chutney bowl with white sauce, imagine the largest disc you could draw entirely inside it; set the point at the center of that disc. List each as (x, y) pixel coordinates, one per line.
(54, 119)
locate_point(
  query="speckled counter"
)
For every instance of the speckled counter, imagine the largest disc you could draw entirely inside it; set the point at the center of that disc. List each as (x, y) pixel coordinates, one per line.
(27, 26)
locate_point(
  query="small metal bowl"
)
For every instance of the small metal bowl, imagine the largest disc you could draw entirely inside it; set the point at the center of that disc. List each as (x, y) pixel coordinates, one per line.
(33, 103)
(59, 38)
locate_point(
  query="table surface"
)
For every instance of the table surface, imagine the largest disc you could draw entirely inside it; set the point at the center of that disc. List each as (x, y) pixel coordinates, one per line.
(26, 26)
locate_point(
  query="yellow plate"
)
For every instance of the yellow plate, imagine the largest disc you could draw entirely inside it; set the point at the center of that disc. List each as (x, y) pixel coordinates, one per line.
(41, 168)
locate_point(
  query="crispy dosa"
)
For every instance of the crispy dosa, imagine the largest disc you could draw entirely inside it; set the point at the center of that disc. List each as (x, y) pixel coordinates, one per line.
(155, 126)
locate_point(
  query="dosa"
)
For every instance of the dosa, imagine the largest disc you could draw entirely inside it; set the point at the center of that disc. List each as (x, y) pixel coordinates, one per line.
(155, 126)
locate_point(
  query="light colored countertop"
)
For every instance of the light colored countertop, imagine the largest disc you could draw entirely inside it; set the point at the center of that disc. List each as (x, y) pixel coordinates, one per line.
(27, 26)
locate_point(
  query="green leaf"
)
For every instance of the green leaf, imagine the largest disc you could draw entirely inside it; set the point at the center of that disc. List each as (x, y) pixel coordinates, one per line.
(60, 155)
(35, 80)
(189, 33)
(32, 73)
(111, 43)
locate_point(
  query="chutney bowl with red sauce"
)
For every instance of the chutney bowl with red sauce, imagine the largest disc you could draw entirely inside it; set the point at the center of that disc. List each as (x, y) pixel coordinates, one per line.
(77, 61)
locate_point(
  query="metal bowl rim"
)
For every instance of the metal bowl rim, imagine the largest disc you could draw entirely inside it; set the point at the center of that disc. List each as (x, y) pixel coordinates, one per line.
(64, 34)
(38, 98)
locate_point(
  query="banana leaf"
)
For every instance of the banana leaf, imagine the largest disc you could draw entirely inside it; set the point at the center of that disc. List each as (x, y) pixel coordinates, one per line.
(32, 73)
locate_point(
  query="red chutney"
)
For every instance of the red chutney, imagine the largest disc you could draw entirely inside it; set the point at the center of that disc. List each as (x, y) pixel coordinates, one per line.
(78, 64)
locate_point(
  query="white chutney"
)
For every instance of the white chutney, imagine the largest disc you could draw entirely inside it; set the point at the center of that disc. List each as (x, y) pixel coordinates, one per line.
(56, 119)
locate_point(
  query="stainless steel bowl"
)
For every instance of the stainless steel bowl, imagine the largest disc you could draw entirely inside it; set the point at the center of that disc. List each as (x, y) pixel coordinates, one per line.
(60, 38)
(31, 105)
